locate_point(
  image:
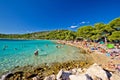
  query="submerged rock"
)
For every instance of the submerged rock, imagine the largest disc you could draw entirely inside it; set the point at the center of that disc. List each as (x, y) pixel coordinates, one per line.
(31, 76)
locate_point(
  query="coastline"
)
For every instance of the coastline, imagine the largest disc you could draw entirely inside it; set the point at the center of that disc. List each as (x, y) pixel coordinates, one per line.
(44, 70)
(30, 69)
(98, 57)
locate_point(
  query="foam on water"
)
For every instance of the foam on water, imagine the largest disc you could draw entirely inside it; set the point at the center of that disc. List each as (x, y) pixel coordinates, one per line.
(21, 53)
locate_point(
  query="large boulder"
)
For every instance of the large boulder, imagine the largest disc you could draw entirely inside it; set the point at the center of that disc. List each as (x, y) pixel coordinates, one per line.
(76, 71)
(59, 75)
(96, 70)
(65, 75)
(80, 77)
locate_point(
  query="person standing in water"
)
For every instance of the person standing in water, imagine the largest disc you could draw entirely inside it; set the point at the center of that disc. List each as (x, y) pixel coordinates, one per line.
(36, 53)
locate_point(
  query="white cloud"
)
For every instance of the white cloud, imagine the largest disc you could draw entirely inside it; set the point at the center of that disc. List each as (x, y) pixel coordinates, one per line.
(83, 22)
(73, 26)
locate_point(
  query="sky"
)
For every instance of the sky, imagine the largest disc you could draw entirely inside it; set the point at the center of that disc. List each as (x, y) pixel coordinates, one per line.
(26, 16)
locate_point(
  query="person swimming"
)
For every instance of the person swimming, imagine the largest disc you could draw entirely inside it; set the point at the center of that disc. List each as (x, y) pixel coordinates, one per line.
(58, 46)
(16, 49)
(46, 45)
(5, 47)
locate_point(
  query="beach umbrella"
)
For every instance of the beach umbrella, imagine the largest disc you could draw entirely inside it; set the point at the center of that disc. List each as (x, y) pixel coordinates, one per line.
(110, 45)
(101, 42)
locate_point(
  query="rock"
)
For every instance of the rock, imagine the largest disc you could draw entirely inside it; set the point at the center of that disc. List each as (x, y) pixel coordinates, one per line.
(65, 75)
(36, 78)
(96, 70)
(80, 77)
(79, 70)
(84, 69)
(74, 71)
(19, 72)
(31, 76)
(40, 69)
(96, 78)
(6, 76)
(115, 77)
(51, 77)
(58, 76)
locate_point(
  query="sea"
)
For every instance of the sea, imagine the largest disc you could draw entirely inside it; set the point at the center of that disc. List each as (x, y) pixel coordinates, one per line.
(14, 53)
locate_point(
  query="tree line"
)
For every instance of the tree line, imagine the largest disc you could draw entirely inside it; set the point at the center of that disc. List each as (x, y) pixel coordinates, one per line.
(111, 31)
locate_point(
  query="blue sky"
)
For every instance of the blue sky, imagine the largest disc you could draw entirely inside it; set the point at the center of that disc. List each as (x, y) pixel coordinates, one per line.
(23, 16)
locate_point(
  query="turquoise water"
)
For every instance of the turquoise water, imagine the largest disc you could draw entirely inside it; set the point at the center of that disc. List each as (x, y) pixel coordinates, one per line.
(21, 53)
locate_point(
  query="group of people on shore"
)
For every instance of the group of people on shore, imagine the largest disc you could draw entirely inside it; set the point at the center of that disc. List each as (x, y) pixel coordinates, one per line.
(99, 47)
(110, 50)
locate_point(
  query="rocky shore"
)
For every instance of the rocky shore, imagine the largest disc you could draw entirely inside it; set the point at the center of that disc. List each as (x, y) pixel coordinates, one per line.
(71, 70)
(91, 69)
(94, 72)
(30, 72)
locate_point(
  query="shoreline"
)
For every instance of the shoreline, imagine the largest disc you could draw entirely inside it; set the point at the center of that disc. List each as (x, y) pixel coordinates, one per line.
(98, 57)
(30, 69)
(44, 70)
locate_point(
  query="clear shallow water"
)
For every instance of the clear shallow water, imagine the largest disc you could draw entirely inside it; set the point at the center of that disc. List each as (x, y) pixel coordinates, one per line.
(21, 53)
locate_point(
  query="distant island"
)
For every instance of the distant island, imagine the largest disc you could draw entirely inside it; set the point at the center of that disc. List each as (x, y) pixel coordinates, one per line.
(111, 31)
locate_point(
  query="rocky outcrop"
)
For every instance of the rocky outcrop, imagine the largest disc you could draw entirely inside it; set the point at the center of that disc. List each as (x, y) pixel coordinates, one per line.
(94, 72)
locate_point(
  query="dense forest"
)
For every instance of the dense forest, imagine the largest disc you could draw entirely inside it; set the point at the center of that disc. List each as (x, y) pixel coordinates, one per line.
(111, 31)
